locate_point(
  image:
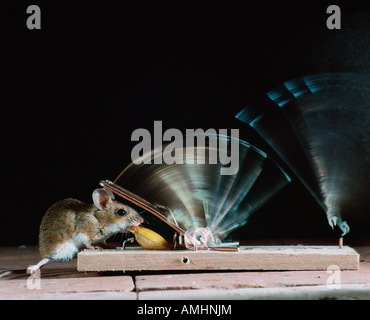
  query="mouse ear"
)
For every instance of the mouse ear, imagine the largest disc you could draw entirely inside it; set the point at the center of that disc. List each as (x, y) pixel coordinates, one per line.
(102, 197)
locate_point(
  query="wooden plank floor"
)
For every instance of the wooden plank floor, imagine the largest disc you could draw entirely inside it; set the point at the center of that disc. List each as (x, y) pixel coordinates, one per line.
(63, 281)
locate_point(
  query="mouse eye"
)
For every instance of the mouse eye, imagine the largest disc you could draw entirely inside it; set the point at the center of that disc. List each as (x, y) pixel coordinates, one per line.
(121, 212)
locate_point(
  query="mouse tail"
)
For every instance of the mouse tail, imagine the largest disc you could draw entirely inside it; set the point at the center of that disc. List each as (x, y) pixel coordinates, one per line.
(13, 274)
(4, 274)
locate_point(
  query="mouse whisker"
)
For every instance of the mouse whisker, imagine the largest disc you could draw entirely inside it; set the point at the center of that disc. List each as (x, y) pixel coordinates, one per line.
(145, 222)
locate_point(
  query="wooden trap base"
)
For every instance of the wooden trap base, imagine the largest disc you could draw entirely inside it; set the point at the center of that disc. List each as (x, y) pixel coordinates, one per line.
(248, 258)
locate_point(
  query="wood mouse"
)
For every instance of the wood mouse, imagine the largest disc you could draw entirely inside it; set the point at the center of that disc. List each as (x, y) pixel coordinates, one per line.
(71, 225)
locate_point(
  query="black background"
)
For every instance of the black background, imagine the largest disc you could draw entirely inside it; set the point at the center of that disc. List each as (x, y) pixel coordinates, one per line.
(93, 74)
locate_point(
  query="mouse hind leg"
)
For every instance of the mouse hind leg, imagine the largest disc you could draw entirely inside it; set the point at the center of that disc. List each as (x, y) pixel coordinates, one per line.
(33, 268)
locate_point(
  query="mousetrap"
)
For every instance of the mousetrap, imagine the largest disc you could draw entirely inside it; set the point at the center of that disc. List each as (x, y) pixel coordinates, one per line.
(203, 205)
(247, 258)
(200, 253)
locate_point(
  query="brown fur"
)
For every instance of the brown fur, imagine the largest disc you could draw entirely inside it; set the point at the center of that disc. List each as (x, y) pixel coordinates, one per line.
(70, 217)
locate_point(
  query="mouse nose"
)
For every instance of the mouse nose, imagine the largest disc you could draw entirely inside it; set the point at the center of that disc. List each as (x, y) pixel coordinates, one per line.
(140, 220)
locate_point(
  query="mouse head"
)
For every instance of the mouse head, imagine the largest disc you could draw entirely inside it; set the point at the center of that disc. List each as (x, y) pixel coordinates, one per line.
(113, 215)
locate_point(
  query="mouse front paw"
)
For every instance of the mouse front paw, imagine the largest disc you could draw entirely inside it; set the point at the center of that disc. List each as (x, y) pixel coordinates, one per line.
(91, 247)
